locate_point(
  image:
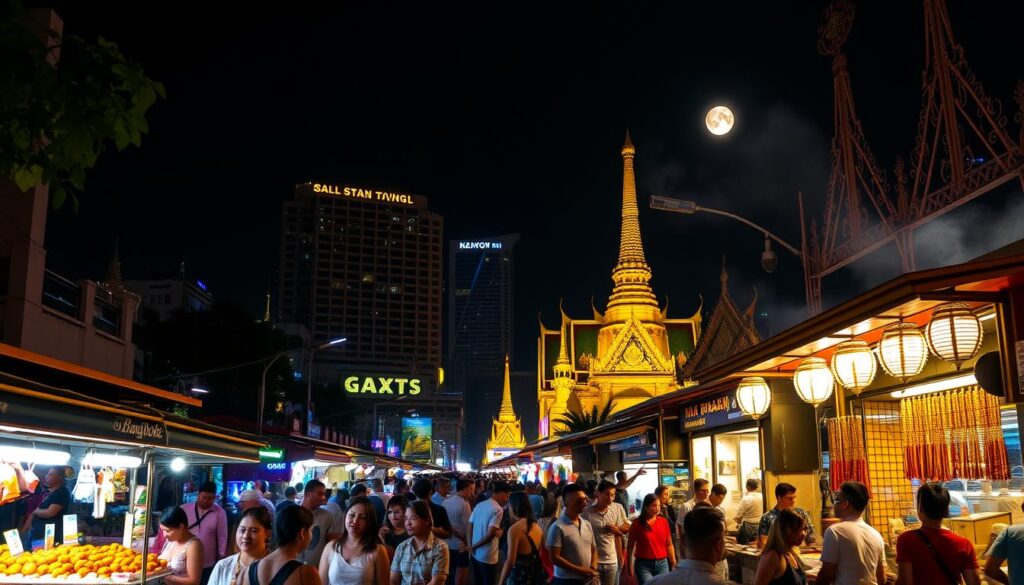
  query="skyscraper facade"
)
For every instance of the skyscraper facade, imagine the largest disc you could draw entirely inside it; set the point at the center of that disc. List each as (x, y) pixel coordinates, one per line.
(363, 264)
(479, 326)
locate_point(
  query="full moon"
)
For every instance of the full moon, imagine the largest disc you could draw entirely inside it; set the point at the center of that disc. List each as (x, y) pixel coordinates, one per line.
(719, 120)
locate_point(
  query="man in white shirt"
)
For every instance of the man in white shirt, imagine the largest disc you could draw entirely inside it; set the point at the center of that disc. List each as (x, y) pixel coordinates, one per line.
(485, 532)
(852, 552)
(459, 510)
(749, 513)
(705, 548)
(701, 491)
(607, 519)
(715, 498)
(442, 487)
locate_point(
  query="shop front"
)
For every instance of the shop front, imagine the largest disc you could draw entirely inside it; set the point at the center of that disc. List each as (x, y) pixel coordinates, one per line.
(107, 456)
(916, 380)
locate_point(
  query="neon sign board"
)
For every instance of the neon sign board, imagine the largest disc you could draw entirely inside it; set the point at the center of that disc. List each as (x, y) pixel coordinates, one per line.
(363, 193)
(479, 245)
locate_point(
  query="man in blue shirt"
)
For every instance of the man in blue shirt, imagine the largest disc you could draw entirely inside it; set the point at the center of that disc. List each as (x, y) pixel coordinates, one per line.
(1009, 546)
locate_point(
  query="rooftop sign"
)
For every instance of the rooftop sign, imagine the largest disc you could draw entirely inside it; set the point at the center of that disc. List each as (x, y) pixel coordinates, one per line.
(363, 193)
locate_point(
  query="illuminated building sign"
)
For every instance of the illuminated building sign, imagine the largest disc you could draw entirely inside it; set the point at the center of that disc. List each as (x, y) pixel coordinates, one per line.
(712, 412)
(362, 193)
(479, 245)
(377, 385)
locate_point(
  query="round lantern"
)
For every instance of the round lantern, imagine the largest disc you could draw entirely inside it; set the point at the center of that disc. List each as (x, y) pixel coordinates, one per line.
(813, 381)
(903, 350)
(853, 365)
(753, 396)
(954, 333)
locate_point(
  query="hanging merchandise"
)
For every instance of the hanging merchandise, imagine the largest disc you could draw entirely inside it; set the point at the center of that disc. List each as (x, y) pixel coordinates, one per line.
(847, 457)
(954, 434)
(9, 488)
(85, 485)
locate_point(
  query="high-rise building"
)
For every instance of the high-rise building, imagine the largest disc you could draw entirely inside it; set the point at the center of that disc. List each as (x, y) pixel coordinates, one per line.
(364, 264)
(479, 326)
(480, 287)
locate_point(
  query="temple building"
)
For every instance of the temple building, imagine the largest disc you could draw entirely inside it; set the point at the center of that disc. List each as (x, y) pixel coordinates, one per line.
(506, 428)
(629, 354)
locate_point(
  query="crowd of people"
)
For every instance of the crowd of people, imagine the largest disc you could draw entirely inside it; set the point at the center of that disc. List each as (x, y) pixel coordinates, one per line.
(462, 529)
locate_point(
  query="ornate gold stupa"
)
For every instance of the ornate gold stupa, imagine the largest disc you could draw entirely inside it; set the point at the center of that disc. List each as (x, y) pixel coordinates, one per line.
(627, 355)
(506, 428)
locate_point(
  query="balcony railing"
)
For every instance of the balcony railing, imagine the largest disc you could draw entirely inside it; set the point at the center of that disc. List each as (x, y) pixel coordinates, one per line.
(61, 294)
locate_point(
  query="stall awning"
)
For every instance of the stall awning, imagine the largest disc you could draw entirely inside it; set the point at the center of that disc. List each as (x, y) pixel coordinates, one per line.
(70, 415)
(622, 434)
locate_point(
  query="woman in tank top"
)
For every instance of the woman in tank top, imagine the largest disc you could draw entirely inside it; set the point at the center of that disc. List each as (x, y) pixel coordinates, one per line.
(780, 563)
(252, 537)
(357, 557)
(523, 564)
(182, 550)
(293, 529)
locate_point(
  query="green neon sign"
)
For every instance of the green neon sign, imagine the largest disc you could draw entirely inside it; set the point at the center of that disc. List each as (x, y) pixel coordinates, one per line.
(271, 454)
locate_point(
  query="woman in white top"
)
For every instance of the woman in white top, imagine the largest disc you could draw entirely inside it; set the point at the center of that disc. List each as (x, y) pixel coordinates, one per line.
(183, 551)
(357, 557)
(252, 537)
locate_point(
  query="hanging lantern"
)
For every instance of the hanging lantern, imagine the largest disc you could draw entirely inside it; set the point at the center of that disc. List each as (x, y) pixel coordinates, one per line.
(954, 333)
(853, 365)
(813, 381)
(903, 350)
(753, 396)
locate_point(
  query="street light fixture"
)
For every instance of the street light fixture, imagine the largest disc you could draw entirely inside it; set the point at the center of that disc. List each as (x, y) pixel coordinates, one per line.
(769, 259)
(309, 376)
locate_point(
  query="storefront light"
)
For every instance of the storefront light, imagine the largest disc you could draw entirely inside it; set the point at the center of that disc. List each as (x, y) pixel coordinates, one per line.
(853, 365)
(177, 465)
(937, 386)
(111, 460)
(954, 333)
(903, 350)
(31, 455)
(753, 396)
(813, 381)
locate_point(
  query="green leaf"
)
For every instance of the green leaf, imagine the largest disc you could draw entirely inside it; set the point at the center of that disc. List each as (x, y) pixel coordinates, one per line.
(28, 177)
(58, 197)
(121, 134)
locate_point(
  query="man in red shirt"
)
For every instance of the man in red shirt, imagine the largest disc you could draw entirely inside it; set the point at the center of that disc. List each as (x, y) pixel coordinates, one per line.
(933, 554)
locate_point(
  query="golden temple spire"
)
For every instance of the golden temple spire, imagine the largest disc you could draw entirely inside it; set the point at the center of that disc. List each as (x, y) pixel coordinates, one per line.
(507, 414)
(631, 275)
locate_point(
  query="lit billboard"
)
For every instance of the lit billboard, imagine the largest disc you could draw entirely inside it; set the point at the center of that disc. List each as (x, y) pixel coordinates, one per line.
(417, 438)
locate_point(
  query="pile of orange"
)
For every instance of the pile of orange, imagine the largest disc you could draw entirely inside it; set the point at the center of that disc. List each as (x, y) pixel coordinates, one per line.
(86, 561)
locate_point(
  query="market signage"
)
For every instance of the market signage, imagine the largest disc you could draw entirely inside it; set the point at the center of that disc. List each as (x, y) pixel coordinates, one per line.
(479, 245)
(363, 193)
(639, 440)
(375, 385)
(271, 454)
(647, 453)
(139, 429)
(716, 411)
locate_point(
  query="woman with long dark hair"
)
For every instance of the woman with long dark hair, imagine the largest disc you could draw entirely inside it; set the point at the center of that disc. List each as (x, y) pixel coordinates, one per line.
(357, 556)
(183, 551)
(252, 537)
(651, 541)
(293, 530)
(522, 564)
(780, 562)
(423, 559)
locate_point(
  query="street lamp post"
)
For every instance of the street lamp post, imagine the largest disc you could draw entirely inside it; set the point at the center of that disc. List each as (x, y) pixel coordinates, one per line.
(769, 260)
(309, 378)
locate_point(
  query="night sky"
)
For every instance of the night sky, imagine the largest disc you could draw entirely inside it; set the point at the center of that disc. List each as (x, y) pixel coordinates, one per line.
(511, 120)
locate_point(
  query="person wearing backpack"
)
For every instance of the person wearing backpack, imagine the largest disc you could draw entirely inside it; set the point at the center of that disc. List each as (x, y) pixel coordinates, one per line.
(523, 565)
(931, 554)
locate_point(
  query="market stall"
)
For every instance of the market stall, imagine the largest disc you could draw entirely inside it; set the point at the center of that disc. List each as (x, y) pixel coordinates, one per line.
(104, 456)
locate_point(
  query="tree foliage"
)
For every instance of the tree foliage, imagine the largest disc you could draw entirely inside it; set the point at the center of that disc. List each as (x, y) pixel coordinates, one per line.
(577, 422)
(55, 121)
